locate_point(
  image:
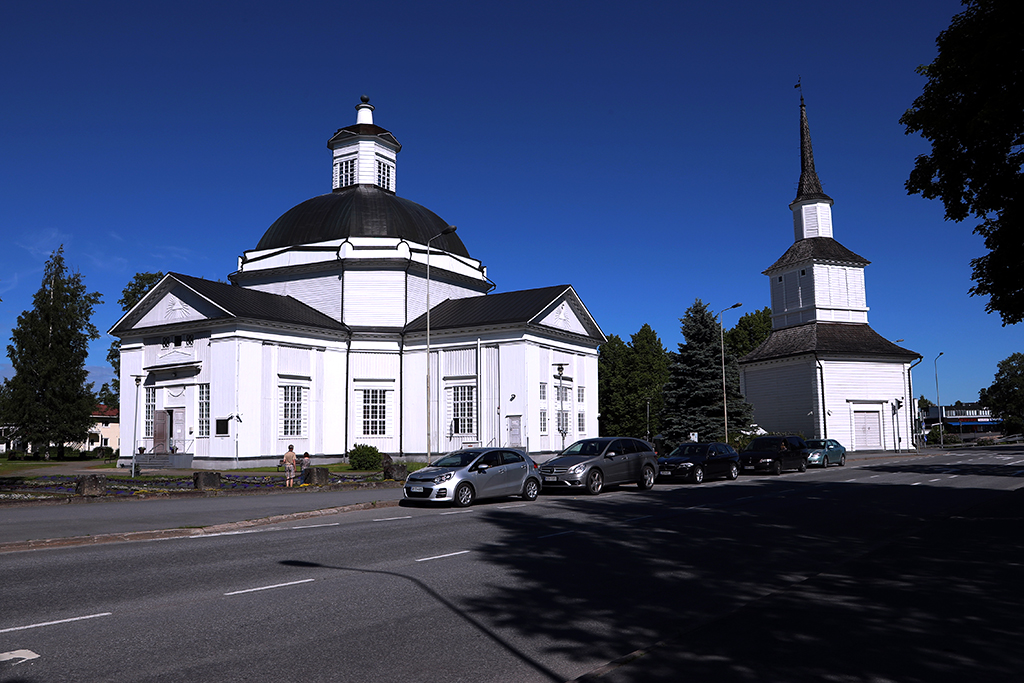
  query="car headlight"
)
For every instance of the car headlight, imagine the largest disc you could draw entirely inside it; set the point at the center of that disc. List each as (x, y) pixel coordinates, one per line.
(686, 464)
(577, 469)
(443, 477)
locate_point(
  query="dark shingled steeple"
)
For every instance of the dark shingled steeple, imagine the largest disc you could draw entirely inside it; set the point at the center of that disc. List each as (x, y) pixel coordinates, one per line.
(810, 186)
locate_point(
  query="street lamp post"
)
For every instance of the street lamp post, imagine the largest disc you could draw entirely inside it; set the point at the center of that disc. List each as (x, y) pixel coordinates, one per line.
(725, 400)
(938, 399)
(447, 231)
(135, 429)
(563, 420)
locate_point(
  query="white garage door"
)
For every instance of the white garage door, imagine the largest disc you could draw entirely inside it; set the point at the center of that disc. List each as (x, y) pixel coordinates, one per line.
(867, 429)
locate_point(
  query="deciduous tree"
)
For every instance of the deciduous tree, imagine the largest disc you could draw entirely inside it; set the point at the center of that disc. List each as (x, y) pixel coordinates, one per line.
(48, 400)
(750, 331)
(1005, 396)
(972, 113)
(132, 294)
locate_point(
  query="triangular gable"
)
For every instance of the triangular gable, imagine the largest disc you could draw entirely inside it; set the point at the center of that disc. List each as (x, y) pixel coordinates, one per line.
(567, 313)
(562, 317)
(177, 306)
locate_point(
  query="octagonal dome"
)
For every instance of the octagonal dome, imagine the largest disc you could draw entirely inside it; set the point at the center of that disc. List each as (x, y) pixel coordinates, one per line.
(359, 211)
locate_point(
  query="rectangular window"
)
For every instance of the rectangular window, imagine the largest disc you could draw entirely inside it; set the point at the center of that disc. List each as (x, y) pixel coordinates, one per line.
(223, 427)
(374, 412)
(543, 391)
(293, 410)
(463, 410)
(563, 394)
(204, 410)
(581, 423)
(345, 173)
(543, 422)
(579, 394)
(563, 421)
(384, 176)
(150, 410)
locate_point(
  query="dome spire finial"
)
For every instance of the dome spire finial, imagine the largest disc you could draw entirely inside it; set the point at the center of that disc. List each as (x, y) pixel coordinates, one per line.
(809, 186)
(364, 110)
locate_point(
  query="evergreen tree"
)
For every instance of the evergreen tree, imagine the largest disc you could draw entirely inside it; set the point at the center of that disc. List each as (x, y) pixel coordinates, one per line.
(612, 362)
(49, 401)
(750, 331)
(693, 395)
(130, 295)
(647, 374)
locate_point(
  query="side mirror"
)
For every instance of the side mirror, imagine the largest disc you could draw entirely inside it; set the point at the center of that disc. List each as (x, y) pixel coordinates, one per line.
(610, 454)
(482, 467)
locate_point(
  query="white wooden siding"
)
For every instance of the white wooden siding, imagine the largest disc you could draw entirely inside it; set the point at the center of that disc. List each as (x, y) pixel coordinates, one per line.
(374, 298)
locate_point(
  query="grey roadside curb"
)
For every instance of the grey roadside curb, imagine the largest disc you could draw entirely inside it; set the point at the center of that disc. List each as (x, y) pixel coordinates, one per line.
(161, 534)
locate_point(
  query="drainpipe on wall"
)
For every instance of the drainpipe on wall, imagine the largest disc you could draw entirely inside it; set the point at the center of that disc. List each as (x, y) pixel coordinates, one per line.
(824, 409)
(912, 421)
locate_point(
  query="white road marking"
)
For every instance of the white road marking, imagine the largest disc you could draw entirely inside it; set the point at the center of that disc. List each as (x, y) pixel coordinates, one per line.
(917, 483)
(560, 533)
(637, 519)
(23, 655)
(456, 512)
(266, 588)
(933, 480)
(231, 533)
(391, 519)
(315, 526)
(51, 623)
(509, 507)
(438, 557)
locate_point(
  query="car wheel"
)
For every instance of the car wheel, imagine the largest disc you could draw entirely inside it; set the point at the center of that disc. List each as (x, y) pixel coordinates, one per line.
(842, 460)
(697, 476)
(595, 482)
(776, 468)
(646, 478)
(824, 461)
(733, 473)
(530, 489)
(464, 495)
(803, 465)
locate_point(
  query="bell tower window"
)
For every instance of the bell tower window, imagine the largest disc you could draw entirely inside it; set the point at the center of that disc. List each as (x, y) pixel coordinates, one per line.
(385, 175)
(344, 173)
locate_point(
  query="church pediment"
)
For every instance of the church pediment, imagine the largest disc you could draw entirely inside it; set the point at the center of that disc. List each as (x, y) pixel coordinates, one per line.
(179, 305)
(562, 317)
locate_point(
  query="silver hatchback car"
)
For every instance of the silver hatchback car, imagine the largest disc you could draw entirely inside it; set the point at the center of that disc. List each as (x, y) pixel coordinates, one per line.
(463, 476)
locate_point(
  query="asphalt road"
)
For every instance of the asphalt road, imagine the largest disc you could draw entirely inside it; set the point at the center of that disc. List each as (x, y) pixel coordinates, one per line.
(902, 569)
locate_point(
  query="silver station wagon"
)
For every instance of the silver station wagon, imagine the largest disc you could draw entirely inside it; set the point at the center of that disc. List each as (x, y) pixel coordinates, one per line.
(590, 464)
(461, 477)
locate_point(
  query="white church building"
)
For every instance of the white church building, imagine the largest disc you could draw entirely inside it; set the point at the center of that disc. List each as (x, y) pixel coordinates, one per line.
(823, 372)
(323, 339)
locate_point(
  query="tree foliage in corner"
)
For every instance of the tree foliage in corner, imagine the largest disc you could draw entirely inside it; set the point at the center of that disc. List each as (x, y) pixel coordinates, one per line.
(750, 331)
(1005, 397)
(110, 394)
(629, 376)
(693, 395)
(49, 401)
(972, 113)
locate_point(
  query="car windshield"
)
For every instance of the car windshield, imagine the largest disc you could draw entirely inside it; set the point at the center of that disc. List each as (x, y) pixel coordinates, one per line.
(765, 443)
(457, 459)
(688, 449)
(816, 443)
(587, 447)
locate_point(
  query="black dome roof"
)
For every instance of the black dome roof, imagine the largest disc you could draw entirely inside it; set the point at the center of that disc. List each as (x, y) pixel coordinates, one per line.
(359, 211)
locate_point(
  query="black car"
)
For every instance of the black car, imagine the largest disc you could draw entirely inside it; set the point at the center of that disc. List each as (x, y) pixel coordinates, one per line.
(774, 454)
(694, 461)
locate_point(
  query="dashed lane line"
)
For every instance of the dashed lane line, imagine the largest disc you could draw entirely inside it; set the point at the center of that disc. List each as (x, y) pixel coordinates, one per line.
(53, 623)
(439, 557)
(266, 588)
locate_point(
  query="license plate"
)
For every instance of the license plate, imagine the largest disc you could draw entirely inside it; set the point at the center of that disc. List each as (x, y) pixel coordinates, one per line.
(665, 474)
(416, 489)
(550, 478)
(748, 467)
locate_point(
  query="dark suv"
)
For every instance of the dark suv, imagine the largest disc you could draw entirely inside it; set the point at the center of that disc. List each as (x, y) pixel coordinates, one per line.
(774, 454)
(591, 463)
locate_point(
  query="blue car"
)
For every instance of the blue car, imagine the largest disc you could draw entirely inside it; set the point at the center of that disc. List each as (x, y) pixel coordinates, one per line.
(825, 452)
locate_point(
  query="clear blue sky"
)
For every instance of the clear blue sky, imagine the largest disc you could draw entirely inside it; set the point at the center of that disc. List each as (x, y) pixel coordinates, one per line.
(644, 152)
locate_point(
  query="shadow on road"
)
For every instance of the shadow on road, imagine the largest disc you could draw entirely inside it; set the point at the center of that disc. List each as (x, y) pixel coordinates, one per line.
(800, 581)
